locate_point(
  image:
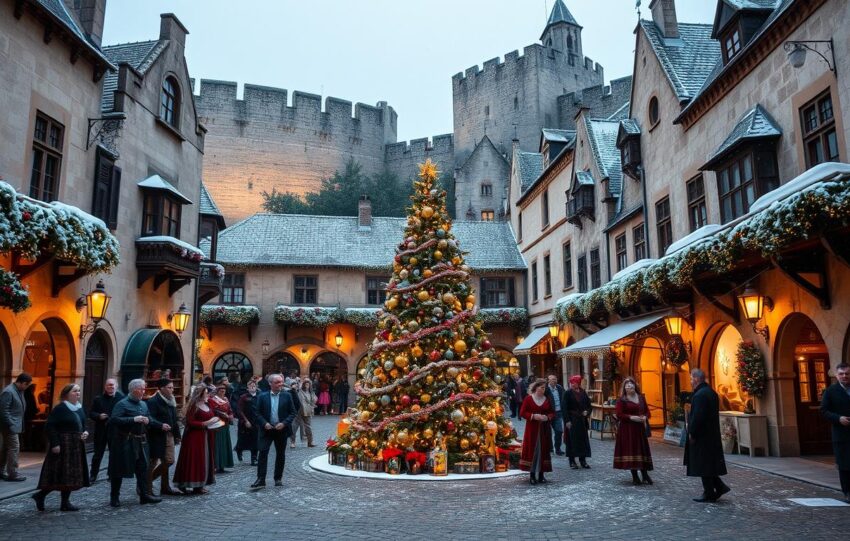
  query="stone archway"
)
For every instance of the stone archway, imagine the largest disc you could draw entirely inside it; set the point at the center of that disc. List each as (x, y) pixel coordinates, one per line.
(282, 362)
(800, 370)
(50, 357)
(329, 364)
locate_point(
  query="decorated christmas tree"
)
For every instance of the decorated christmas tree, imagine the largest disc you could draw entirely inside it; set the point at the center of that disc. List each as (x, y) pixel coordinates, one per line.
(430, 380)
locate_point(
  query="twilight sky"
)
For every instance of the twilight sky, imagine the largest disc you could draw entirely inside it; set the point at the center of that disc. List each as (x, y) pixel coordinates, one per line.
(402, 52)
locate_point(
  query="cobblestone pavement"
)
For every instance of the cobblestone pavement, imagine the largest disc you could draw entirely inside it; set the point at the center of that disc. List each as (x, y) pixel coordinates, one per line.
(599, 503)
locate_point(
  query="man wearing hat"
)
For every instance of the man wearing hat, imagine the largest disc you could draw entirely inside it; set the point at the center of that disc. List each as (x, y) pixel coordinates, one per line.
(576, 410)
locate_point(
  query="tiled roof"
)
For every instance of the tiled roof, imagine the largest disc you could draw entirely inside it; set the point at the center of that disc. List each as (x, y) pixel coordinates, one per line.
(559, 136)
(140, 55)
(621, 113)
(337, 241)
(560, 14)
(67, 19)
(208, 205)
(156, 182)
(630, 126)
(530, 168)
(688, 60)
(755, 124)
(584, 178)
(752, 4)
(602, 135)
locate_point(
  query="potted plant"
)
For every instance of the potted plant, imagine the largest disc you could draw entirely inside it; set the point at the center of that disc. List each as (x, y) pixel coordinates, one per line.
(728, 435)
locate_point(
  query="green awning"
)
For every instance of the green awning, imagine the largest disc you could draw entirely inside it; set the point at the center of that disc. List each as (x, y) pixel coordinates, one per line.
(149, 349)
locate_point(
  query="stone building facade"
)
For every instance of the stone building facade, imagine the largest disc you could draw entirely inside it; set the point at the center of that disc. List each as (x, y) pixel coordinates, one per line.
(90, 162)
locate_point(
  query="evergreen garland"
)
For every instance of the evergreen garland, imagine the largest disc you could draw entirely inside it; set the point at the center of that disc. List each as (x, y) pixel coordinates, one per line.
(752, 378)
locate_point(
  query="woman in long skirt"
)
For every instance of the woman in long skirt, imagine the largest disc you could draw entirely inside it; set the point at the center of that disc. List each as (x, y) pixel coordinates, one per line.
(247, 431)
(537, 439)
(223, 443)
(631, 450)
(196, 462)
(576, 410)
(65, 468)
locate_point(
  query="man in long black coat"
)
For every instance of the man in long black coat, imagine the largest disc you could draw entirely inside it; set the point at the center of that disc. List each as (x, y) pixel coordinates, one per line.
(835, 406)
(274, 412)
(128, 448)
(163, 408)
(101, 410)
(703, 450)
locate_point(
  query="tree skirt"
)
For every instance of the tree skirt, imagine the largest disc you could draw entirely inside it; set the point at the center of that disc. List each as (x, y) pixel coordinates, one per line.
(320, 463)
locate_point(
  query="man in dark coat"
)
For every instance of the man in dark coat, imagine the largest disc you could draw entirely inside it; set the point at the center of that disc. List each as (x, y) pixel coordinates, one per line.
(835, 406)
(518, 394)
(703, 450)
(342, 388)
(274, 412)
(163, 408)
(101, 410)
(576, 412)
(128, 449)
(12, 410)
(555, 394)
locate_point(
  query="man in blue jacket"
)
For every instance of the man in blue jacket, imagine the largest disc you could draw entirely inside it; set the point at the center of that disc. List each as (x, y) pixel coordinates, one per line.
(274, 411)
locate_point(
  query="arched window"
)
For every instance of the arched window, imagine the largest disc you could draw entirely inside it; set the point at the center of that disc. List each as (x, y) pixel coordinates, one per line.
(169, 107)
(653, 111)
(232, 362)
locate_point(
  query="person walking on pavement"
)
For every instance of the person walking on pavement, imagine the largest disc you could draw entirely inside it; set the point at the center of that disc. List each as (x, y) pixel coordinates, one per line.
(342, 388)
(835, 406)
(275, 411)
(101, 410)
(703, 449)
(555, 394)
(631, 450)
(12, 409)
(128, 450)
(537, 438)
(65, 468)
(518, 394)
(307, 401)
(246, 439)
(196, 462)
(163, 408)
(576, 412)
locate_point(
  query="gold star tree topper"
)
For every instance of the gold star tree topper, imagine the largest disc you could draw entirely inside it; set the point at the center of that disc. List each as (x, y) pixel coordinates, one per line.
(428, 170)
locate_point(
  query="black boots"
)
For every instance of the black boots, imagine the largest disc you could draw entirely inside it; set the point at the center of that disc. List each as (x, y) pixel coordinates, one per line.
(573, 464)
(541, 479)
(66, 502)
(584, 464)
(533, 479)
(39, 499)
(635, 479)
(646, 478)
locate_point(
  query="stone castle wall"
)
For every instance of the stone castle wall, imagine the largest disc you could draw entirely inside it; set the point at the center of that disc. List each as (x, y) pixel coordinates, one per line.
(515, 97)
(403, 158)
(604, 101)
(262, 142)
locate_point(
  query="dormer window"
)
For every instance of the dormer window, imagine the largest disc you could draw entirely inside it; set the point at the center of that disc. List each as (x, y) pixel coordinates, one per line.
(162, 208)
(581, 201)
(169, 107)
(731, 43)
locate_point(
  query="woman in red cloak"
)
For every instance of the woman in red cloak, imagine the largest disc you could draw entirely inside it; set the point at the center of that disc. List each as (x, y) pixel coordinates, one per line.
(537, 438)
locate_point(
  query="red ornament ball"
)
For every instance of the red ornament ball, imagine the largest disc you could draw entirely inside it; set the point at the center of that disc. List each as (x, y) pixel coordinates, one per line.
(405, 401)
(434, 356)
(477, 374)
(485, 345)
(450, 426)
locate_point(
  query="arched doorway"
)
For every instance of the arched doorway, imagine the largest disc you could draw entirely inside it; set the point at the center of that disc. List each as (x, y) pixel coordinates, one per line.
(801, 346)
(95, 365)
(282, 362)
(651, 378)
(724, 371)
(328, 366)
(230, 364)
(5, 357)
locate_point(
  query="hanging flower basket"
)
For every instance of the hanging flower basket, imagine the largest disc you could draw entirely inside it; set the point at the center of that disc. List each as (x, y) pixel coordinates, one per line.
(752, 377)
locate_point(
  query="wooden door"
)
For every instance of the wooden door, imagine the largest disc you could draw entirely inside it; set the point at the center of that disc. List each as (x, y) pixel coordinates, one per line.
(95, 377)
(813, 428)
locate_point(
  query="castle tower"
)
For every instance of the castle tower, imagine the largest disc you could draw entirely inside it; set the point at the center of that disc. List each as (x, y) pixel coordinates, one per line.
(563, 33)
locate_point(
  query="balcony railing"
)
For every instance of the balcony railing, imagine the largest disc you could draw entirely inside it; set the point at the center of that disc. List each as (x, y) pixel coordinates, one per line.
(166, 259)
(210, 281)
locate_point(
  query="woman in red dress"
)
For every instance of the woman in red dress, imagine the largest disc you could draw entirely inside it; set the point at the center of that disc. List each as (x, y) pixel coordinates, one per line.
(537, 438)
(631, 450)
(196, 463)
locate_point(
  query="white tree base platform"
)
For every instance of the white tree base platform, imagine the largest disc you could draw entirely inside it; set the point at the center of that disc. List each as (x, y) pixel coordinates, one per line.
(320, 463)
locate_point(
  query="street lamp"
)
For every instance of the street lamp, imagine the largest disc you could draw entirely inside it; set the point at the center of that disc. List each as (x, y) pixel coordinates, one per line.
(96, 303)
(797, 50)
(180, 318)
(753, 304)
(338, 339)
(554, 329)
(674, 323)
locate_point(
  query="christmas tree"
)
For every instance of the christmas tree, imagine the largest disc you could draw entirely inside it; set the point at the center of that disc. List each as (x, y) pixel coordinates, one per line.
(430, 380)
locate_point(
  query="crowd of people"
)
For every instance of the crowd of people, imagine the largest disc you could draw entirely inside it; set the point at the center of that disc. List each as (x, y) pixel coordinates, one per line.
(142, 432)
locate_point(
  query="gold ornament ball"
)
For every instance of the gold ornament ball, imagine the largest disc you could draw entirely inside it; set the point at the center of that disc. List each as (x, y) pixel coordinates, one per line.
(428, 433)
(423, 295)
(415, 407)
(391, 303)
(456, 260)
(373, 443)
(365, 415)
(416, 351)
(427, 273)
(443, 244)
(413, 261)
(394, 373)
(460, 346)
(373, 405)
(402, 437)
(464, 444)
(473, 437)
(448, 298)
(429, 379)
(470, 299)
(401, 361)
(438, 255)
(426, 212)
(462, 387)
(485, 361)
(424, 398)
(458, 416)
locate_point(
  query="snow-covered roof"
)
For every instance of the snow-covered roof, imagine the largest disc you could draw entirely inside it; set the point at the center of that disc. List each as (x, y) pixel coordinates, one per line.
(602, 135)
(530, 168)
(688, 60)
(156, 182)
(584, 178)
(558, 136)
(820, 173)
(700, 234)
(139, 55)
(165, 238)
(755, 124)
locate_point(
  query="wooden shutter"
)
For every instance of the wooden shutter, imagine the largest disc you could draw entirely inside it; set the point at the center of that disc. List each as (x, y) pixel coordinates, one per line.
(114, 192)
(102, 183)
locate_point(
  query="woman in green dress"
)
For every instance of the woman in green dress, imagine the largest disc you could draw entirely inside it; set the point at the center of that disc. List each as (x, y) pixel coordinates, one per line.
(220, 406)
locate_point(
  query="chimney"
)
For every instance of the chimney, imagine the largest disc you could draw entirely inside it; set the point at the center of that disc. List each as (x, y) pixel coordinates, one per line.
(364, 213)
(171, 28)
(90, 13)
(664, 16)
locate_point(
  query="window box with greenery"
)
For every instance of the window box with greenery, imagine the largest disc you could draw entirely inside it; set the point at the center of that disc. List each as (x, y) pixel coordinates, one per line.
(233, 316)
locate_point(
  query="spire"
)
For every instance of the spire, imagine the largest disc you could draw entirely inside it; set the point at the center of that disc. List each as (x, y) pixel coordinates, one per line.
(560, 14)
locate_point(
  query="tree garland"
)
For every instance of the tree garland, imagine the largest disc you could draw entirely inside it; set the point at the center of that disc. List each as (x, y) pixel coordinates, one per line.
(31, 228)
(235, 316)
(379, 345)
(803, 215)
(414, 375)
(752, 378)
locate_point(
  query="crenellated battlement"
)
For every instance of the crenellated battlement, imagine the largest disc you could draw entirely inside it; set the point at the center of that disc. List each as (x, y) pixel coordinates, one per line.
(265, 104)
(534, 53)
(438, 143)
(601, 100)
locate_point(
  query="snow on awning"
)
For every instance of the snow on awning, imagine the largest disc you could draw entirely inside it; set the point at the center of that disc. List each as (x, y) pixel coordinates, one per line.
(611, 334)
(534, 338)
(156, 182)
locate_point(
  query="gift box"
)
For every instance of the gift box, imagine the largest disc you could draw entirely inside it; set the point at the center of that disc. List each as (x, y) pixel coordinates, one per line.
(369, 465)
(439, 463)
(488, 464)
(467, 467)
